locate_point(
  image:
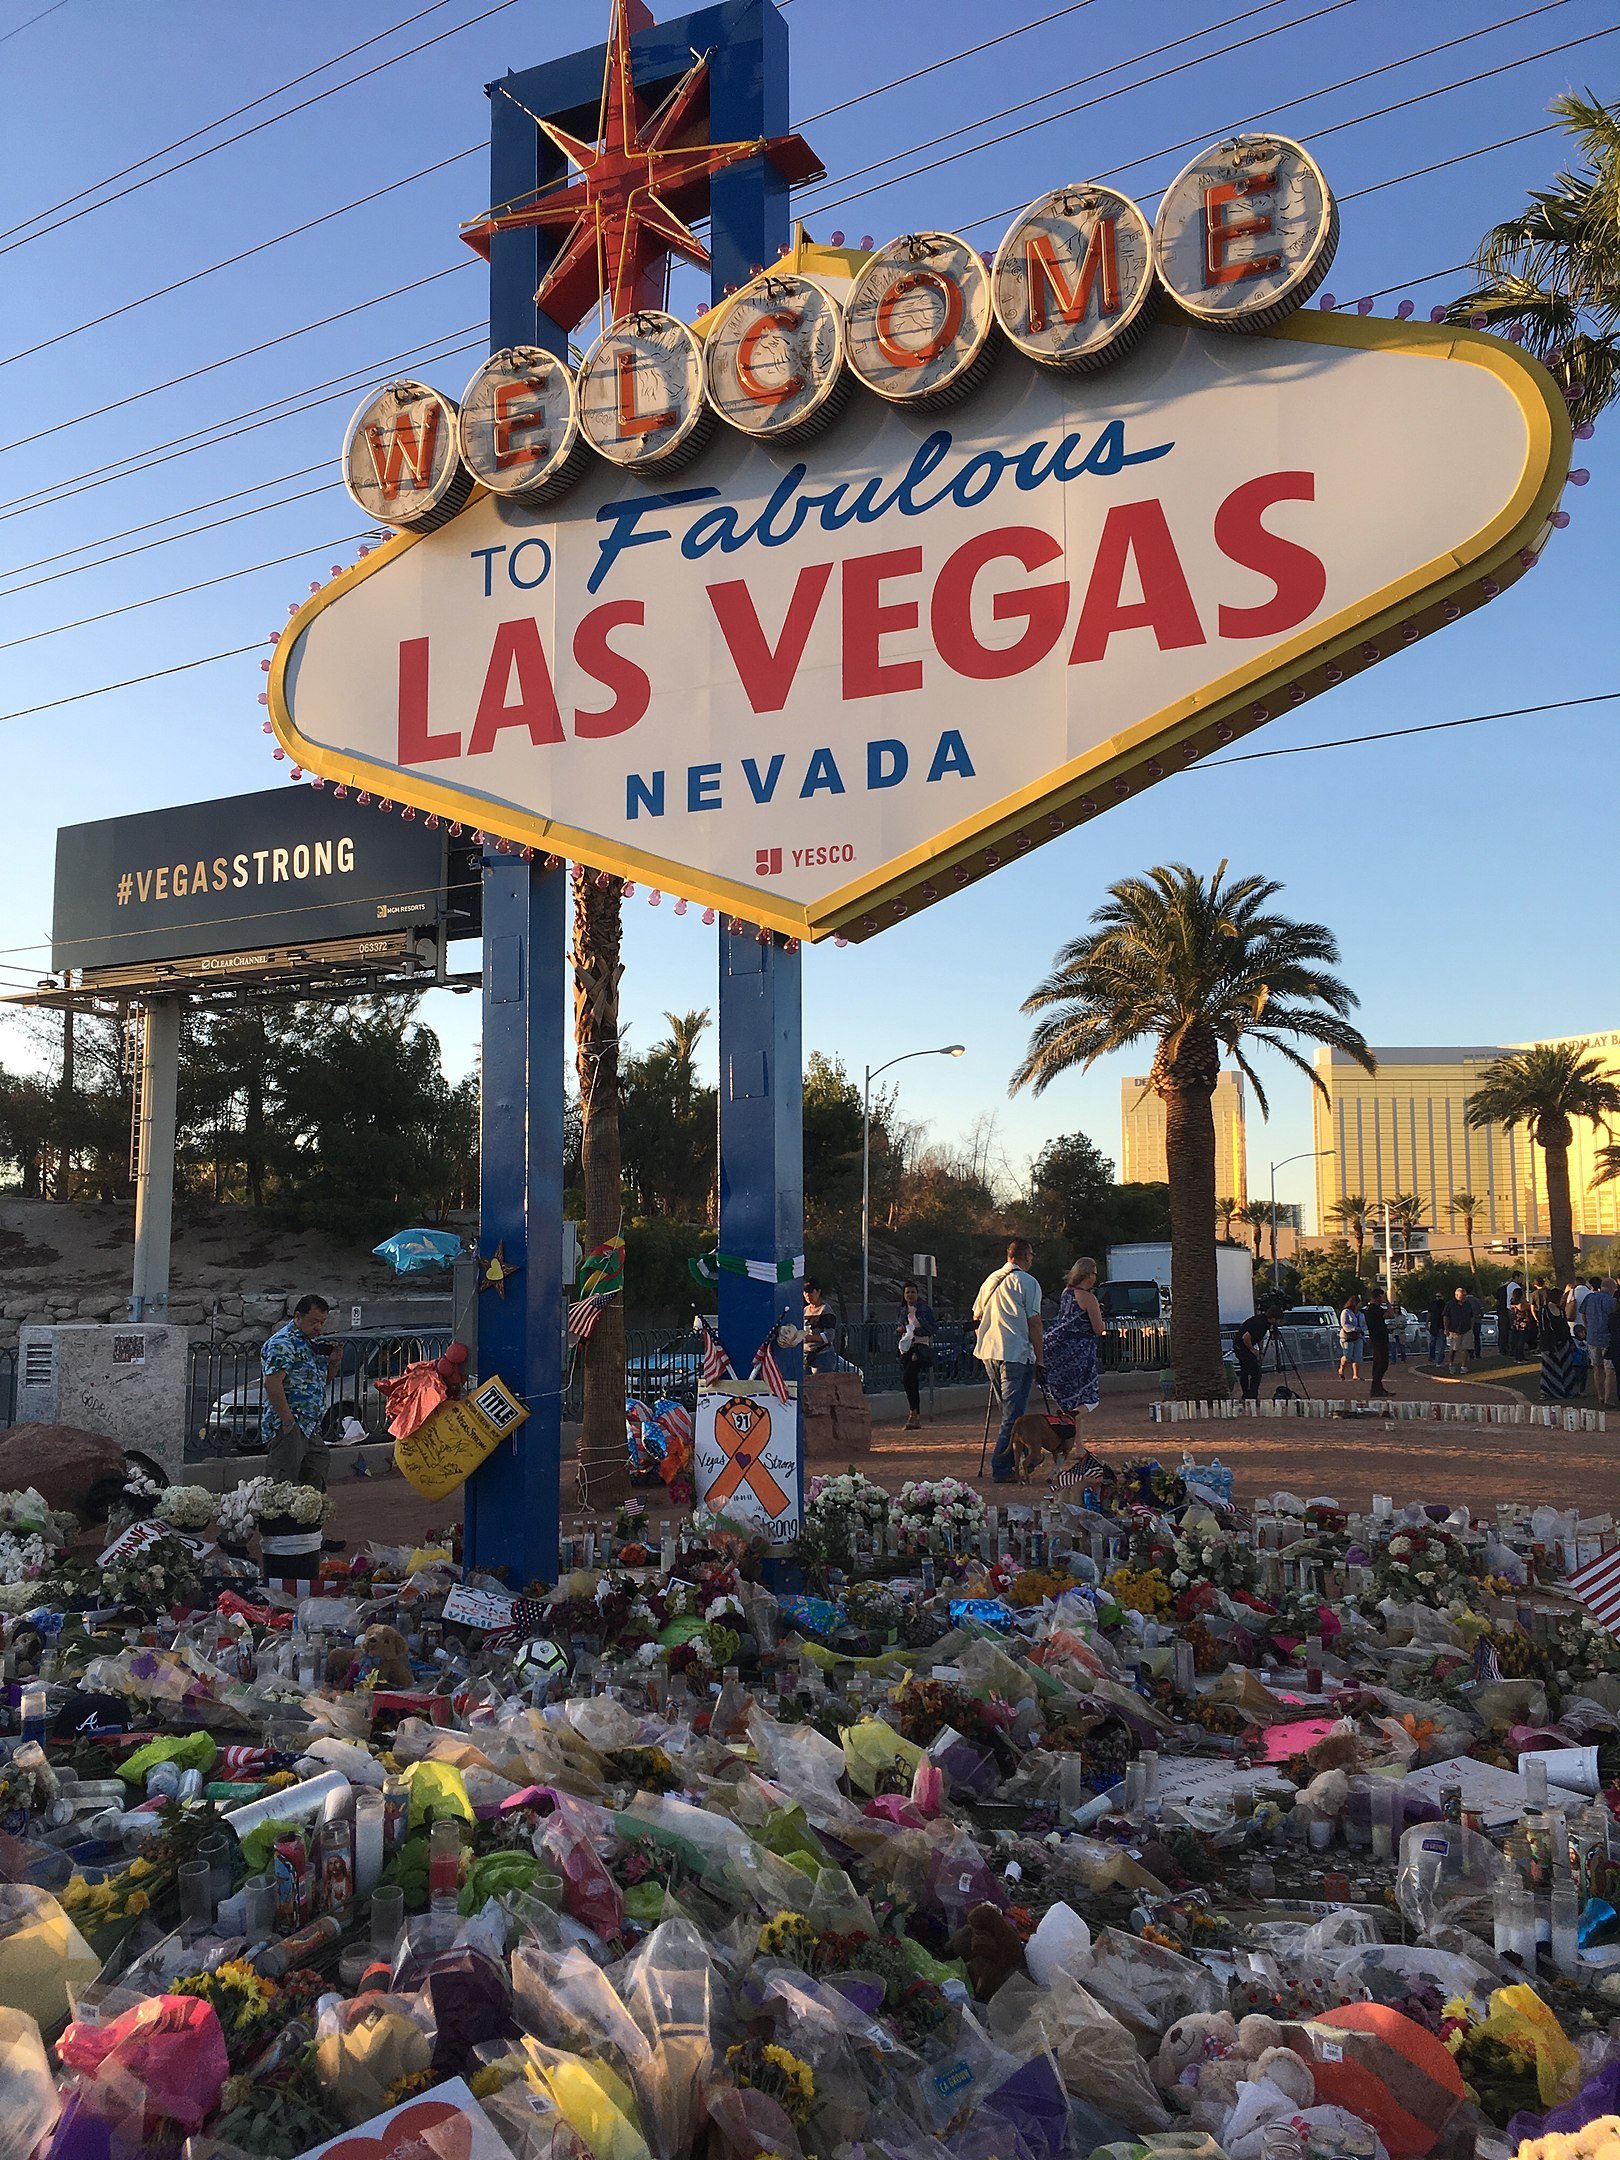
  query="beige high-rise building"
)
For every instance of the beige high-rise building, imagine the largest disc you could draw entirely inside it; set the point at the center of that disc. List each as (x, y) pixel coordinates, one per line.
(1142, 1159)
(1403, 1129)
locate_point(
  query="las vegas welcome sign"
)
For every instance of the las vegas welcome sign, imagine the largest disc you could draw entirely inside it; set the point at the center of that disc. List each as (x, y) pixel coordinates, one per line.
(895, 565)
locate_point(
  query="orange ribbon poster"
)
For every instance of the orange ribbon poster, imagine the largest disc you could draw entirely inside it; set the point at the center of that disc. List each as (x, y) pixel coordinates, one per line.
(746, 1454)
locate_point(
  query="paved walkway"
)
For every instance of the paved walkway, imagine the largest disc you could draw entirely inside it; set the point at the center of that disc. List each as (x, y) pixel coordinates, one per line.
(1476, 1464)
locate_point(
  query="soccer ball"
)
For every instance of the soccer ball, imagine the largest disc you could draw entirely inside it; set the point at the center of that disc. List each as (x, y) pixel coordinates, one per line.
(540, 1660)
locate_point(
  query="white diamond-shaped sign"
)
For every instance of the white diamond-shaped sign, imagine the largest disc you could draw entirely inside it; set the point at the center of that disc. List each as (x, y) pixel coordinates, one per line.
(816, 686)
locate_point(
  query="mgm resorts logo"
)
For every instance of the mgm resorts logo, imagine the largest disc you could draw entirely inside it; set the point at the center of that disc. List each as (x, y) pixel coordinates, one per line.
(257, 866)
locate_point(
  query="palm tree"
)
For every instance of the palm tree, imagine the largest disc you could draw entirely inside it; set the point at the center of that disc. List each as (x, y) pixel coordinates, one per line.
(1256, 1214)
(1545, 1088)
(1351, 1213)
(1201, 965)
(1552, 272)
(1406, 1216)
(1225, 1208)
(598, 922)
(1468, 1205)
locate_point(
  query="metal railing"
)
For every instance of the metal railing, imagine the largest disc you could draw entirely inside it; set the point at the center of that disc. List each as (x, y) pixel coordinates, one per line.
(8, 1385)
(225, 1389)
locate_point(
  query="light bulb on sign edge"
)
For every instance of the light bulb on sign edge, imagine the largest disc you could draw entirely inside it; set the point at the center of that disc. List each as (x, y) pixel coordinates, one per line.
(1437, 314)
(655, 897)
(629, 890)
(1327, 303)
(265, 727)
(1404, 312)
(1364, 307)
(840, 942)
(297, 773)
(1580, 476)
(680, 907)
(708, 917)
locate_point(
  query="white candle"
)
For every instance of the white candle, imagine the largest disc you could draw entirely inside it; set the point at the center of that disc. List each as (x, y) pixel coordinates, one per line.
(369, 1810)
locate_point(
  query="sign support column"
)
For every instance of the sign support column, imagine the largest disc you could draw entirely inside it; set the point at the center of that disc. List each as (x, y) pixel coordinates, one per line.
(513, 1500)
(760, 1004)
(158, 1079)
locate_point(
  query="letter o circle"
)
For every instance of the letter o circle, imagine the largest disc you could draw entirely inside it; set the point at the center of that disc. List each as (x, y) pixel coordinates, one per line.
(528, 584)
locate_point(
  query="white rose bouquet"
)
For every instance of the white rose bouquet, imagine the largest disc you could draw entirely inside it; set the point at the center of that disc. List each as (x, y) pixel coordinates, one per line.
(22, 1559)
(239, 1509)
(185, 1507)
(838, 1510)
(305, 1505)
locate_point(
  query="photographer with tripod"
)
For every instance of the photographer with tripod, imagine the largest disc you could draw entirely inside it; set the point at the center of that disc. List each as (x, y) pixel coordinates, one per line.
(1249, 1344)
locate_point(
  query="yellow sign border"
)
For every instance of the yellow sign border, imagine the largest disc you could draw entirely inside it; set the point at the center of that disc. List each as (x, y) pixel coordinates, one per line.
(1207, 720)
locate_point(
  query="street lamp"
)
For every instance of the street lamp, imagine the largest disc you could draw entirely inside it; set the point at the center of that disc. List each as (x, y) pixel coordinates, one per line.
(951, 1050)
(1306, 1155)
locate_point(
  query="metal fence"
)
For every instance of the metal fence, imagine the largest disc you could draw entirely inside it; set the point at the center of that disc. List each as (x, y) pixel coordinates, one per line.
(225, 1389)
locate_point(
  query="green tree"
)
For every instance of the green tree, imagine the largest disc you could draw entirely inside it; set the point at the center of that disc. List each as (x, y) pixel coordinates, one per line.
(1406, 1215)
(667, 1126)
(1352, 1213)
(1071, 1183)
(28, 1122)
(1256, 1217)
(1327, 1273)
(1469, 1206)
(1552, 271)
(1225, 1208)
(1545, 1089)
(597, 931)
(1201, 965)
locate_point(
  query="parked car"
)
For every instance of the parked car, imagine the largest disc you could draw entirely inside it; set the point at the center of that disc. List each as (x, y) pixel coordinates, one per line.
(233, 1417)
(671, 1369)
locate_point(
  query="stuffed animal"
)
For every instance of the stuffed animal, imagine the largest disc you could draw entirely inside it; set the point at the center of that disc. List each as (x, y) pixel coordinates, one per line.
(1204, 2058)
(991, 1948)
(386, 1646)
(342, 1666)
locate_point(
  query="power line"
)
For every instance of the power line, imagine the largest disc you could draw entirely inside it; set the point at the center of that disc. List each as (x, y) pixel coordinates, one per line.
(1284, 105)
(242, 134)
(162, 292)
(78, 697)
(29, 24)
(950, 60)
(226, 577)
(248, 352)
(1097, 75)
(299, 402)
(1422, 172)
(1428, 727)
(168, 518)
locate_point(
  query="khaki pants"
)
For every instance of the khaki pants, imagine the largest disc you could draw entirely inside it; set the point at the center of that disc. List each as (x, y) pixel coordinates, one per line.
(297, 1458)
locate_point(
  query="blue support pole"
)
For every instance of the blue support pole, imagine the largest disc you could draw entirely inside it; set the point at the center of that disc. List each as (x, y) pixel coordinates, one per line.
(513, 1500)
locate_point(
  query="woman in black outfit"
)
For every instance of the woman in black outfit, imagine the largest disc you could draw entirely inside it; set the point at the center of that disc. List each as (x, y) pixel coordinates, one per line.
(916, 1333)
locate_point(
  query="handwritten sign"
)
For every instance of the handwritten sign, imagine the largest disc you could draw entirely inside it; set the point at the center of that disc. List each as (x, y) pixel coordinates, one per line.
(447, 1447)
(132, 1541)
(745, 1452)
(467, 1607)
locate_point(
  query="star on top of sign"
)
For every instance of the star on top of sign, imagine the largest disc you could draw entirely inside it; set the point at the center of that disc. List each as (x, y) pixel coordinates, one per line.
(625, 212)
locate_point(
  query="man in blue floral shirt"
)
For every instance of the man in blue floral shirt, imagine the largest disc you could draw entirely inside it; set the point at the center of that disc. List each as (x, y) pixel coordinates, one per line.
(296, 1378)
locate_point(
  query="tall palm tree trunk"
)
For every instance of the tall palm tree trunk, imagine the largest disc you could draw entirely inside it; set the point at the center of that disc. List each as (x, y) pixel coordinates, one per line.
(1186, 1081)
(1560, 1214)
(604, 1467)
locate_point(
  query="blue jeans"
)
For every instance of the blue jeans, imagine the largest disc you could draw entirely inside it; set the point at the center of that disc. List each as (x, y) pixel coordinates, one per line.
(1012, 1384)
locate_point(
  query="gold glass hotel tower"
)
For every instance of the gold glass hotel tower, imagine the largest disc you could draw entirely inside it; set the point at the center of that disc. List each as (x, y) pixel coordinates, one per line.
(1403, 1129)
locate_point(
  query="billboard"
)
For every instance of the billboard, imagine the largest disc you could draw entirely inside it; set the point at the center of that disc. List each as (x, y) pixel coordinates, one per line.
(268, 874)
(818, 609)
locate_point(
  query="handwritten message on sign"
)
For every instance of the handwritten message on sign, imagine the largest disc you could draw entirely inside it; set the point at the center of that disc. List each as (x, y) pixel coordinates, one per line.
(447, 1448)
(747, 1461)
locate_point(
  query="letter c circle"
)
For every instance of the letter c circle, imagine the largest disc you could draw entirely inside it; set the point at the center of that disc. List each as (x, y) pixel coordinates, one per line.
(528, 584)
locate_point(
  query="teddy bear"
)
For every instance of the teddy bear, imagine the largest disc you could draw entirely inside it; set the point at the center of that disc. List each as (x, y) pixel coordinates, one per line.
(991, 1948)
(386, 1647)
(1205, 2057)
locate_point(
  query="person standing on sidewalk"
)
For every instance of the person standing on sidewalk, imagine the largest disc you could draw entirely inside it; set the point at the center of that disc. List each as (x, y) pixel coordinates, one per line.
(1007, 1316)
(1597, 1310)
(296, 1379)
(1377, 1317)
(916, 1342)
(1352, 1333)
(1461, 1315)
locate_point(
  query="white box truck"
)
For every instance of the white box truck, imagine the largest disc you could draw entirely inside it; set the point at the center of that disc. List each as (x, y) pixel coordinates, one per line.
(1138, 1286)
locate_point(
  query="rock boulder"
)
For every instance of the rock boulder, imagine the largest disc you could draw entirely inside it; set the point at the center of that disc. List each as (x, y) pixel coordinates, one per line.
(62, 1462)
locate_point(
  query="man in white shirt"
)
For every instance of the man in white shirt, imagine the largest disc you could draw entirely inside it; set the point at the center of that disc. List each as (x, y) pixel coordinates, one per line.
(1007, 1314)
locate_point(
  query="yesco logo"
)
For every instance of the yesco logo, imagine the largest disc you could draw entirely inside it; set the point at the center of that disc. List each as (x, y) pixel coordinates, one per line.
(259, 866)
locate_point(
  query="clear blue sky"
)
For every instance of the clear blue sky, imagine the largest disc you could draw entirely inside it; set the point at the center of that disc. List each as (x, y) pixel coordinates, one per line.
(1464, 874)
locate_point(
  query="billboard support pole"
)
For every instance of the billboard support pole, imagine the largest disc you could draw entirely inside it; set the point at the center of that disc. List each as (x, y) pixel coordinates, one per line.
(513, 1499)
(760, 1005)
(158, 1079)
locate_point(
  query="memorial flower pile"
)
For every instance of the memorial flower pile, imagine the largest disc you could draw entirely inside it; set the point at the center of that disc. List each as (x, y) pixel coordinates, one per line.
(185, 1507)
(937, 1514)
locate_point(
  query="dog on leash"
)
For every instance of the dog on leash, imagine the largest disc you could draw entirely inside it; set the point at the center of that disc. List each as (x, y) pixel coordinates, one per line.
(1035, 1435)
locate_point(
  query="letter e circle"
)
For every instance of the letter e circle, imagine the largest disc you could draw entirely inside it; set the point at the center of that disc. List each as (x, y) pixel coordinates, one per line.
(528, 584)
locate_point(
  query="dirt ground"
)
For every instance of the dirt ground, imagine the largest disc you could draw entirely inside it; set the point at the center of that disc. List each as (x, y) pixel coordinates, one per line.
(1477, 1464)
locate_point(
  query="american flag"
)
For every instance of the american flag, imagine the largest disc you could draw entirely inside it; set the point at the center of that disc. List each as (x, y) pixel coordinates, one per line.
(1088, 1474)
(528, 1617)
(1486, 1666)
(583, 1315)
(716, 1365)
(1597, 1585)
(767, 1369)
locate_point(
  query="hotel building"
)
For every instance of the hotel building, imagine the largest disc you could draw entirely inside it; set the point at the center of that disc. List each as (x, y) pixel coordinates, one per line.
(1142, 1151)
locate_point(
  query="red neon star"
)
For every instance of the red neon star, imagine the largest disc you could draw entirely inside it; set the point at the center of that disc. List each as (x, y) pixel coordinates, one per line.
(626, 214)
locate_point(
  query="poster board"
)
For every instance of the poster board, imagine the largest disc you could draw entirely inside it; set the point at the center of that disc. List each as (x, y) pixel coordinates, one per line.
(749, 1462)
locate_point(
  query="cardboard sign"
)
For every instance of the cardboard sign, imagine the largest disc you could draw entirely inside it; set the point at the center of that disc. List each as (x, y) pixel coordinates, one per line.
(447, 1447)
(477, 1608)
(132, 1541)
(747, 1460)
(444, 2123)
